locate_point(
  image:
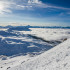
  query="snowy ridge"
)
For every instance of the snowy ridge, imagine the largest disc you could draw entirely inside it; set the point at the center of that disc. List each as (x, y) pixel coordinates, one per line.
(57, 58)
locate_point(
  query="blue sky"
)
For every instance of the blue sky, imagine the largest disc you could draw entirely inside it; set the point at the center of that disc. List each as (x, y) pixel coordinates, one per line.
(35, 12)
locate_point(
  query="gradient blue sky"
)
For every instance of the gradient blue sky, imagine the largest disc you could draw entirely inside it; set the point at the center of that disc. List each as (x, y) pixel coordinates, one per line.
(35, 12)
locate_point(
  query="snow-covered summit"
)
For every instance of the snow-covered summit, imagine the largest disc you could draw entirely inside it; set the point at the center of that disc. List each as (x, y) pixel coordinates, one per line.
(57, 58)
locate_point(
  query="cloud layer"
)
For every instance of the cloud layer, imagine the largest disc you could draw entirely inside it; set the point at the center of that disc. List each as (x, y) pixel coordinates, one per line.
(4, 6)
(7, 6)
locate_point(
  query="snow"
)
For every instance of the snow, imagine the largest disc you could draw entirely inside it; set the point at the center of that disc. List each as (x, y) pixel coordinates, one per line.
(39, 45)
(12, 62)
(57, 58)
(23, 44)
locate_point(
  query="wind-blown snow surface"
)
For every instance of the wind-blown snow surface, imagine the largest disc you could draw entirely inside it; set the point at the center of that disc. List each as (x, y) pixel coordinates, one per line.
(57, 58)
(14, 42)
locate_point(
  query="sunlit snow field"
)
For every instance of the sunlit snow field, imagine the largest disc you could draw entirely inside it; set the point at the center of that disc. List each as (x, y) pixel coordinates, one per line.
(18, 47)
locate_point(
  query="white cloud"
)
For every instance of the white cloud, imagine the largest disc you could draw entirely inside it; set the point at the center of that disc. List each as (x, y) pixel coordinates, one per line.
(4, 6)
(63, 8)
(29, 4)
(7, 5)
(33, 1)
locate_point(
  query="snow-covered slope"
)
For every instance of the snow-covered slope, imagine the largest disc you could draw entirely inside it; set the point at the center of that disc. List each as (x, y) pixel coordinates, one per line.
(57, 58)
